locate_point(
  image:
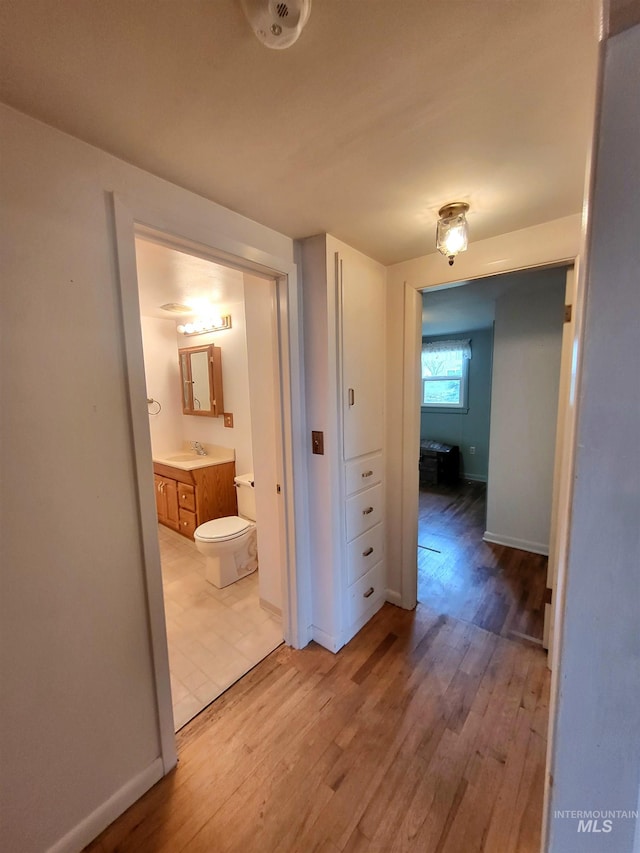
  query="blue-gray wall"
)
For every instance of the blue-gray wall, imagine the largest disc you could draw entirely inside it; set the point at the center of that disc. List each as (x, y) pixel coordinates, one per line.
(470, 429)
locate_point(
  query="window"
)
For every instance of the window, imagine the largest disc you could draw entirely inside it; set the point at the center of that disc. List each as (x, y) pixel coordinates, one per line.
(445, 374)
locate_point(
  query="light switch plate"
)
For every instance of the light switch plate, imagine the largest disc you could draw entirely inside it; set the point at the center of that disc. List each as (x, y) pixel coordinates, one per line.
(228, 420)
(317, 442)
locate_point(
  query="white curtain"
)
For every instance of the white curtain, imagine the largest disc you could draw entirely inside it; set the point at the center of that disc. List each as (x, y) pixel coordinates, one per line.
(437, 347)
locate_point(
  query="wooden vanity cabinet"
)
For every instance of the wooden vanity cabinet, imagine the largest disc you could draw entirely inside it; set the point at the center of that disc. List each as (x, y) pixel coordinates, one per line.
(166, 500)
(186, 499)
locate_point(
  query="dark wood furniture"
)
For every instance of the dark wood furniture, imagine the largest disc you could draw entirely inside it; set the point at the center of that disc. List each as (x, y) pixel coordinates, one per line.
(439, 463)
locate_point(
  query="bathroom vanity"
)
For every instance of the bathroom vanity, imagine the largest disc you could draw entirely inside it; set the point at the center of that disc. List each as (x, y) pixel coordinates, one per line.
(192, 489)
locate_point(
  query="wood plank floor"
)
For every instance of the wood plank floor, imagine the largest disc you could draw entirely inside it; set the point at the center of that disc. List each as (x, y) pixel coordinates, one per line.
(426, 733)
(497, 588)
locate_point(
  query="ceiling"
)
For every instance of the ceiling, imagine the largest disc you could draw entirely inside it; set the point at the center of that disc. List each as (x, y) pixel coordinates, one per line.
(459, 308)
(167, 275)
(378, 115)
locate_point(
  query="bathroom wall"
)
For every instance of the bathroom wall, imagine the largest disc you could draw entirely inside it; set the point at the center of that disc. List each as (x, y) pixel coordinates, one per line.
(235, 383)
(266, 431)
(171, 428)
(470, 428)
(162, 374)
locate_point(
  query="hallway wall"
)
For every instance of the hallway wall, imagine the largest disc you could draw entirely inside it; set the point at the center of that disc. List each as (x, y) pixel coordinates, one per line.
(80, 735)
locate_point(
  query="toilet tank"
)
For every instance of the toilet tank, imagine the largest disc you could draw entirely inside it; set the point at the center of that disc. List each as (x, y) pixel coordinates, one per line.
(246, 493)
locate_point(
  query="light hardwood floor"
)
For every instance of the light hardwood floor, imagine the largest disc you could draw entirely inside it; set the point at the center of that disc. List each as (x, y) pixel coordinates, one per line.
(497, 588)
(426, 733)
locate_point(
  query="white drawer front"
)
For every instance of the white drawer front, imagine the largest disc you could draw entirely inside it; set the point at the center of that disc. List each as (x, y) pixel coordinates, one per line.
(364, 552)
(366, 593)
(362, 474)
(364, 510)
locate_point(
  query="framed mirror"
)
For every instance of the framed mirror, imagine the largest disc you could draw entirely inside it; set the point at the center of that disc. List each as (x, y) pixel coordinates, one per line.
(201, 378)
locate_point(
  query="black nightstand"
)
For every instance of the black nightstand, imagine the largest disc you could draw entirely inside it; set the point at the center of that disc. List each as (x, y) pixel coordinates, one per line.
(439, 463)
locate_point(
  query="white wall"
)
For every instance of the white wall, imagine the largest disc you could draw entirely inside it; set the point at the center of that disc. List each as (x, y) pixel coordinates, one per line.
(235, 384)
(171, 428)
(79, 722)
(266, 431)
(596, 753)
(162, 374)
(527, 346)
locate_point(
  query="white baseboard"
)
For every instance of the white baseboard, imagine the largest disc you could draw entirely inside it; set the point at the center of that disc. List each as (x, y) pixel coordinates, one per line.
(89, 828)
(393, 597)
(333, 644)
(476, 478)
(266, 605)
(521, 544)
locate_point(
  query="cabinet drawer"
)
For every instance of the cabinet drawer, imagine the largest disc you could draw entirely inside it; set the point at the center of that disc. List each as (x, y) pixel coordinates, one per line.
(363, 473)
(366, 593)
(187, 522)
(364, 552)
(364, 510)
(187, 497)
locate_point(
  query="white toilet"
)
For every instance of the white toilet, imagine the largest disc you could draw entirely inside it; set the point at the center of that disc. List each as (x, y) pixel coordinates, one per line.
(230, 543)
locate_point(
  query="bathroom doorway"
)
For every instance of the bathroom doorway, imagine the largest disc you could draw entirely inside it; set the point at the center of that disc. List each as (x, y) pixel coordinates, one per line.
(215, 633)
(258, 611)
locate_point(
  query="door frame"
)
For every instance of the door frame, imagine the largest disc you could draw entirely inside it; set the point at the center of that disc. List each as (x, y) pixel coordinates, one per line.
(565, 471)
(130, 219)
(411, 412)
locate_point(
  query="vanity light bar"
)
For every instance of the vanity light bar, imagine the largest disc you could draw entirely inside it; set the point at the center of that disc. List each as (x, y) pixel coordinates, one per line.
(201, 327)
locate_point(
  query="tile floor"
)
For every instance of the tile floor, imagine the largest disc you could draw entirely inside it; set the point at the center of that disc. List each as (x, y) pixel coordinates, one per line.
(215, 636)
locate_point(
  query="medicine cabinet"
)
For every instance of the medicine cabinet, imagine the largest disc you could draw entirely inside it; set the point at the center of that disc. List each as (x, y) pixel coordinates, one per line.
(201, 377)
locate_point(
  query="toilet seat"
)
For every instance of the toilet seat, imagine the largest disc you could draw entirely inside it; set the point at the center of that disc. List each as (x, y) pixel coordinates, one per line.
(223, 529)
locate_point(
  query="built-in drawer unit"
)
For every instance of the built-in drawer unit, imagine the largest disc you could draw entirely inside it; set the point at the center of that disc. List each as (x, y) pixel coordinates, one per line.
(364, 552)
(363, 511)
(366, 593)
(363, 473)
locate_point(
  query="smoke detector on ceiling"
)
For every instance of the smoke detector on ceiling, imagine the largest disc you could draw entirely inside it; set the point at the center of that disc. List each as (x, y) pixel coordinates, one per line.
(277, 23)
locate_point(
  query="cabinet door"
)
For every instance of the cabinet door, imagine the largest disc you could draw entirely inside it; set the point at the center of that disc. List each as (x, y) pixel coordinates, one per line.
(161, 499)
(166, 491)
(363, 347)
(171, 494)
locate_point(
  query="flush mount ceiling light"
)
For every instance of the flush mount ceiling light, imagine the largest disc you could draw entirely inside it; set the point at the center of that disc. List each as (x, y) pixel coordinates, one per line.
(203, 326)
(277, 23)
(176, 308)
(452, 232)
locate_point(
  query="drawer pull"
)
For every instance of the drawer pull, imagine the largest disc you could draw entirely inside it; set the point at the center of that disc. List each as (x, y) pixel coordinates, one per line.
(369, 592)
(368, 474)
(367, 511)
(368, 552)
(184, 497)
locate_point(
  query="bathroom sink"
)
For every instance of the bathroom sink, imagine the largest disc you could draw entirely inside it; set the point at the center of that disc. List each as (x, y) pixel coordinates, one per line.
(183, 457)
(187, 460)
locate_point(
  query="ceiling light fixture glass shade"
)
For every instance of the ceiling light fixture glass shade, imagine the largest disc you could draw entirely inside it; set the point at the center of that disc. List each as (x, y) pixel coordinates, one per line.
(452, 232)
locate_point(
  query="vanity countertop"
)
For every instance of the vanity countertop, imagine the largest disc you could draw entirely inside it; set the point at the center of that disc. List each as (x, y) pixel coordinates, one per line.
(187, 459)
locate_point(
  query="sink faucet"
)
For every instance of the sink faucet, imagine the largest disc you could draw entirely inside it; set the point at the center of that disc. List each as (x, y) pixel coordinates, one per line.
(199, 449)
